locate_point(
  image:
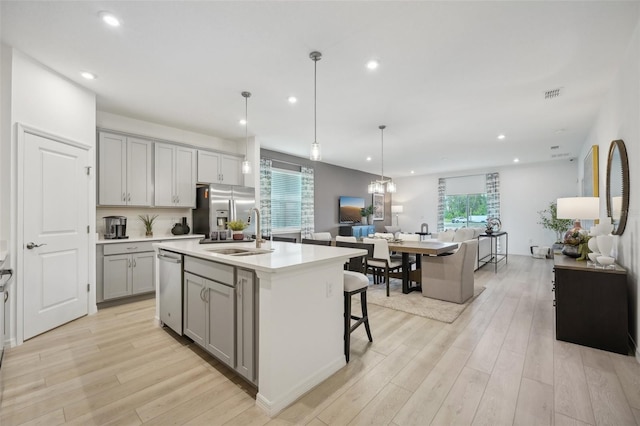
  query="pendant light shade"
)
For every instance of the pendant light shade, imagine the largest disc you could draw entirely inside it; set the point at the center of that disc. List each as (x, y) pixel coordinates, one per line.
(381, 186)
(246, 165)
(316, 154)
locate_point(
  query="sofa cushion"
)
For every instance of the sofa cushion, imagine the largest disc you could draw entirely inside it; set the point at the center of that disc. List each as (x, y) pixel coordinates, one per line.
(446, 236)
(463, 234)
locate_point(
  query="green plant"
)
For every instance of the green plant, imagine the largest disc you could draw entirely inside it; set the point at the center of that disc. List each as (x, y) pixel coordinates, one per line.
(148, 222)
(237, 225)
(549, 220)
(367, 211)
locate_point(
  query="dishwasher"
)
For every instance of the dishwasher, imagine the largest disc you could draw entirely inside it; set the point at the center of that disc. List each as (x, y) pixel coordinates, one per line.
(171, 290)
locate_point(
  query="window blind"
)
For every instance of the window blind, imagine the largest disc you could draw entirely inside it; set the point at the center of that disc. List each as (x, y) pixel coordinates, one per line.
(286, 201)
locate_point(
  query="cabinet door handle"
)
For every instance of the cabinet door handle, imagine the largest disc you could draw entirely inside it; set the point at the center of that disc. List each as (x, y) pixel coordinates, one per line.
(134, 263)
(132, 248)
(124, 197)
(129, 263)
(239, 288)
(128, 197)
(201, 296)
(554, 302)
(177, 199)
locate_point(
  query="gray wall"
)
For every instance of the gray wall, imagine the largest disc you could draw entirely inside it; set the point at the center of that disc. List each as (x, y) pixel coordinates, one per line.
(330, 183)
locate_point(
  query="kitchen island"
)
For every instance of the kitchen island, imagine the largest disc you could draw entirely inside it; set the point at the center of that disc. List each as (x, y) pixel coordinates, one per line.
(299, 316)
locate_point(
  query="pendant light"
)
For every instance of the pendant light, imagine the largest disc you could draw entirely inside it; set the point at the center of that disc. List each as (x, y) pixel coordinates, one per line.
(316, 155)
(246, 165)
(378, 186)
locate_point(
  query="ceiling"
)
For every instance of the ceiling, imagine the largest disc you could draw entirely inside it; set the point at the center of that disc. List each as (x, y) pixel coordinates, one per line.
(452, 75)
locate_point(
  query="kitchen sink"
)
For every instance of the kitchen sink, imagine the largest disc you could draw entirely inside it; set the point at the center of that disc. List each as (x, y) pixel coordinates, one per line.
(239, 251)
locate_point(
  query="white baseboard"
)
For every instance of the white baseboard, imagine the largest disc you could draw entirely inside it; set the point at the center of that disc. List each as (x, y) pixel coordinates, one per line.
(273, 407)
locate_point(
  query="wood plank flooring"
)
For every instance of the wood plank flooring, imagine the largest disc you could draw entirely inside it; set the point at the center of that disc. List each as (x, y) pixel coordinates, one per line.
(497, 364)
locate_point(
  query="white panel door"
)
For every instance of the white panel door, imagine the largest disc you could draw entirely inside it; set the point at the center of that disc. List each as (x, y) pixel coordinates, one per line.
(185, 178)
(164, 172)
(139, 172)
(56, 252)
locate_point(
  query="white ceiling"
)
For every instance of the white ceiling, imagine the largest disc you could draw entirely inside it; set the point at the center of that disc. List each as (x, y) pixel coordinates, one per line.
(453, 75)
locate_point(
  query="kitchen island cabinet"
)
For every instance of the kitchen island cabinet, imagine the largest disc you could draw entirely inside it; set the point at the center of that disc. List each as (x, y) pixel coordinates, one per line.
(299, 314)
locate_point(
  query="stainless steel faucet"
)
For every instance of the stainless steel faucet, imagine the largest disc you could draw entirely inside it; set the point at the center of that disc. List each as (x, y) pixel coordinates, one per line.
(259, 239)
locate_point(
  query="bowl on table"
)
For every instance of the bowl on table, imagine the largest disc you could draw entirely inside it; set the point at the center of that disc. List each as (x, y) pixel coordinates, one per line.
(605, 260)
(594, 256)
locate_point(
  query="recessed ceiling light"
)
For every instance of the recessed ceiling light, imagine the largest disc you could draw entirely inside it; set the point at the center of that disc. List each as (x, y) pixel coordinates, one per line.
(292, 99)
(501, 137)
(109, 19)
(373, 64)
(88, 75)
(243, 122)
(412, 172)
(516, 160)
(368, 158)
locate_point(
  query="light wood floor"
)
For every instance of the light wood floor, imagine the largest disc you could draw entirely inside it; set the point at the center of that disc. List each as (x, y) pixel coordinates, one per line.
(498, 363)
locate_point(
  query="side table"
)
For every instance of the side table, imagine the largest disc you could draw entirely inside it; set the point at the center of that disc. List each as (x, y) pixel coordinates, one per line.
(494, 256)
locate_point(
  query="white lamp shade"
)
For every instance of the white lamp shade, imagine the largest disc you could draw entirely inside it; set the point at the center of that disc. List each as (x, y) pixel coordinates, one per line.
(396, 209)
(578, 208)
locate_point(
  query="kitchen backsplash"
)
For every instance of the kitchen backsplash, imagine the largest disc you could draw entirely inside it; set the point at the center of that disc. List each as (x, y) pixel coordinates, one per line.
(166, 219)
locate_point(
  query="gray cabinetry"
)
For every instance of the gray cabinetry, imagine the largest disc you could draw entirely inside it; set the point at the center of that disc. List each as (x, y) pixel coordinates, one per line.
(175, 176)
(246, 316)
(220, 305)
(215, 167)
(124, 171)
(128, 269)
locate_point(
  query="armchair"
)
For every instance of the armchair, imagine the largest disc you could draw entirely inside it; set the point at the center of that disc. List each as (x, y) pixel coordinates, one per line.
(450, 277)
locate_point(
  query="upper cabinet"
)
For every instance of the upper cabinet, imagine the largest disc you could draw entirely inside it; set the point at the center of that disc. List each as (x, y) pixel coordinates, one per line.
(175, 176)
(124, 174)
(215, 167)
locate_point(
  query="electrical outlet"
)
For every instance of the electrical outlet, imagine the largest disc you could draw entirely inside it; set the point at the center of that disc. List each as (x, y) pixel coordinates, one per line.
(329, 290)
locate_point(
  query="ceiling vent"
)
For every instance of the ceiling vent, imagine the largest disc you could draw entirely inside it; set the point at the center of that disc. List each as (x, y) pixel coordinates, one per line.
(553, 93)
(555, 147)
(561, 155)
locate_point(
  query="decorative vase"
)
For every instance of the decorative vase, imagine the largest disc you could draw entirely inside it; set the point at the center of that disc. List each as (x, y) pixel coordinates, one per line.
(149, 234)
(185, 226)
(177, 229)
(605, 244)
(571, 251)
(363, 220)
(593, 245)
(370, 219)
(238, 235)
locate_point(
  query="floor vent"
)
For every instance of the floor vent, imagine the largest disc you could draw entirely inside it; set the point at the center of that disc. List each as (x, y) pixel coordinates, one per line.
(553, 93)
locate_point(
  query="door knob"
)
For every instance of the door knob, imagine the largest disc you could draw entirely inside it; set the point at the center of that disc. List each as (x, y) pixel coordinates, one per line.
(31, 246)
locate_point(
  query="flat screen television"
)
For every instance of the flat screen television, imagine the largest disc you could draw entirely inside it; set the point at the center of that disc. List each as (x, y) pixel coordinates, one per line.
(349, 209)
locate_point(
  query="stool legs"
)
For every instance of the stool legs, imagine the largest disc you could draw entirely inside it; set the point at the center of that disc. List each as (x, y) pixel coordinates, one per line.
(348, 328)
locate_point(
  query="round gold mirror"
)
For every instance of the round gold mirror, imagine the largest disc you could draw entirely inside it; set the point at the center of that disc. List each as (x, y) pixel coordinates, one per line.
(618, 186)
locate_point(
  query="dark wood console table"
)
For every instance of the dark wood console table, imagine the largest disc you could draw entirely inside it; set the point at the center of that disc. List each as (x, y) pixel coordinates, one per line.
(591, 305)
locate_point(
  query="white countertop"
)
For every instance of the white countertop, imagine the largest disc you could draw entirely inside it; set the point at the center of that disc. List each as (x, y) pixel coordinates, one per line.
(154, 238)
(285, 256)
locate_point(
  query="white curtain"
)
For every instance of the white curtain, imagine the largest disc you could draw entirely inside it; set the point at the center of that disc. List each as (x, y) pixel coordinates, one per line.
(308, 194)
(265, 196)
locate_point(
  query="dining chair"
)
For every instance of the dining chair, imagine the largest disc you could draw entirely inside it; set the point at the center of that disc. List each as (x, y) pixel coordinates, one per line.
(382, 264)
(385, 235)
(285, 239)
(350, 239)
(355, 281)
(450, 277)
(316, 242)
(321, 236)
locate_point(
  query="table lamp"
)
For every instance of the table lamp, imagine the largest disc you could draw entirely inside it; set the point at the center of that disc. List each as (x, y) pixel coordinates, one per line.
(577, 208)
(397, 209)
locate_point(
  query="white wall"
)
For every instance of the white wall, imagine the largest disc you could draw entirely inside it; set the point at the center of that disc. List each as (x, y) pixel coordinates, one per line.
(525, 189)
(619, 118)
(44, 100)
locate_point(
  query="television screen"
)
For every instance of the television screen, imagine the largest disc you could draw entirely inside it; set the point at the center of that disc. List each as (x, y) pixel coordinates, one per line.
(349, 209)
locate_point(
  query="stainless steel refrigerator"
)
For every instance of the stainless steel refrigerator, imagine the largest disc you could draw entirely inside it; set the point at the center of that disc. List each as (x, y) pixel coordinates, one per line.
(218, 204)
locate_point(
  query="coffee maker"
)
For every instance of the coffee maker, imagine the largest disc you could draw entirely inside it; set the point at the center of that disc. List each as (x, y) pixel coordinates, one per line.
(115, 227)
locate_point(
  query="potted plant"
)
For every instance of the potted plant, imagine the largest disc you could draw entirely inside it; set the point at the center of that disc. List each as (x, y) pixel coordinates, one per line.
(367, 214)
(237, 226)
(549, 220)
(148, 223)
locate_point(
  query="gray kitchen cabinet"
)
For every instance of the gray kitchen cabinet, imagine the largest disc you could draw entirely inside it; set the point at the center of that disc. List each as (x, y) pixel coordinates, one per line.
(215, 167)
(124, 171)
(246, 327)
(127, 270)
(209, 307)
(175, 176)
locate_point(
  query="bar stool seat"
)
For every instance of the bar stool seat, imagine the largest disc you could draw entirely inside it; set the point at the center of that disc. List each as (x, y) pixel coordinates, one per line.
(354, 283)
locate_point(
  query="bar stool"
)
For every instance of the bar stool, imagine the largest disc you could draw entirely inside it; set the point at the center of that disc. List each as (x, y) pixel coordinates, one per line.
(354, 283)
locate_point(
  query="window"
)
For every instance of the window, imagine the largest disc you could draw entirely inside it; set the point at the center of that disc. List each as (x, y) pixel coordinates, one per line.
(468, 210)
(286, 201)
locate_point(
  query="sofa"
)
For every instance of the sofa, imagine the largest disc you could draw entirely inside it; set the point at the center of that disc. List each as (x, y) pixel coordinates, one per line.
(464, 234)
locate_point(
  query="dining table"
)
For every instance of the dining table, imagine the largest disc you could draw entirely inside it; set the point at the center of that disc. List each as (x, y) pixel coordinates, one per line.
(419, 248)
